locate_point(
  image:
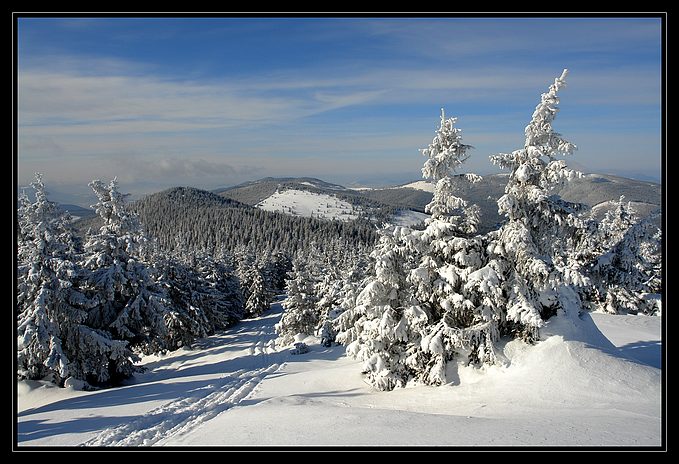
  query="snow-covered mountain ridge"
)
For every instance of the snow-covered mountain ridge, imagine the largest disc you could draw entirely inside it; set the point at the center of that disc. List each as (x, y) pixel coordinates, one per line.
(591, 189)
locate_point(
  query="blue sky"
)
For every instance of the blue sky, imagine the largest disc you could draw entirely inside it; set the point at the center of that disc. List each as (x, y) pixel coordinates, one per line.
(211, 102)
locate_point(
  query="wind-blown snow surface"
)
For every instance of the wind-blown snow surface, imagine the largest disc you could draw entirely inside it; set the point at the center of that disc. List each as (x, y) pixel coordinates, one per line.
(237, 389)
(308, 204)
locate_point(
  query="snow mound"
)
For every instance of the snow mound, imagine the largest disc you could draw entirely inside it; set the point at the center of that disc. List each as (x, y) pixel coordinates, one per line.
(309, 204)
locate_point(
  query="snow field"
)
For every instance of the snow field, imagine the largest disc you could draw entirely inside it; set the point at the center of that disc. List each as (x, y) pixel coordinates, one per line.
(309, 204)
(408, 218)
(237, 388)
(425, 186)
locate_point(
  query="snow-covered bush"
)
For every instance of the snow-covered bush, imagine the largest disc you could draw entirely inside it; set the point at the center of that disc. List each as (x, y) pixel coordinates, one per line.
(541, 228)
(300, 348)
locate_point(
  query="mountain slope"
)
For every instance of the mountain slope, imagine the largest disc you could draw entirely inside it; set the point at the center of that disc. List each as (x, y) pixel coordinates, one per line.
(591, 190)
(253, 192)
(309, 204)
(204, 220)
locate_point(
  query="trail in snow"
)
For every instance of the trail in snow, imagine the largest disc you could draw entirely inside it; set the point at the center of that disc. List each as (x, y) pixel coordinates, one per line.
(184, 414)
(179, 392)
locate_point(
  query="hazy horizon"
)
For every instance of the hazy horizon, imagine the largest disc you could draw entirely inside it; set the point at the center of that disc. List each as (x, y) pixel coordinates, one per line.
(214, 102)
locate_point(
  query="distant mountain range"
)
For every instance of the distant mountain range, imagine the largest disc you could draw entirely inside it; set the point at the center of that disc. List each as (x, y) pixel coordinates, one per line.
(403, 204)
(596, 191)
(78, 211)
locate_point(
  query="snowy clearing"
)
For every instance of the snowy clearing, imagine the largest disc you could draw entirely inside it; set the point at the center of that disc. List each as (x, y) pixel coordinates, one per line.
(425, 186)
(236, 388)
(309, 204)
(408, 218)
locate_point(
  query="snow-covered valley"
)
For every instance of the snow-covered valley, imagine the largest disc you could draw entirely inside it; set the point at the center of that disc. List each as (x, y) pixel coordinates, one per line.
(238, 388)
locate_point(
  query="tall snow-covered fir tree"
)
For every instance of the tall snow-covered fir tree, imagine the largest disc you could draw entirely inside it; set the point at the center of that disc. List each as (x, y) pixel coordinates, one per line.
(450, 296)
(259, 297)
(455, 281)
(541, 228)
(380, 330)
(300, 316)
(53, 340)
(128, 301)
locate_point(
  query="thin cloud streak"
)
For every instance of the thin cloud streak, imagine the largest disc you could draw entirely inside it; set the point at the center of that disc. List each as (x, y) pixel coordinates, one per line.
(365, 98)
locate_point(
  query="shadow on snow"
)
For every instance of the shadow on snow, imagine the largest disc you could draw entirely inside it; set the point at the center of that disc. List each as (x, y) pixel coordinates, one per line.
(151, 386)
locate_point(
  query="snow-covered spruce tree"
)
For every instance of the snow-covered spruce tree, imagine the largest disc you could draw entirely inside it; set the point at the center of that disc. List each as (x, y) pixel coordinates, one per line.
(129, 303)
(183, 288)
(329, 291)
(449, 301)
(627, 261)
(457, 282)
(53, 341)
(245, 262)
(541, 228)
(300, 316)
(381, 328)
(338, 294)
(219, 290)
(259, 296)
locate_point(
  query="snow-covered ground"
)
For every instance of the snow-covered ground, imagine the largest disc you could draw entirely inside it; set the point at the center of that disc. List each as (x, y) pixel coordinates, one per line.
(408, 218)
(309, 204)
(423, 185)
(237, 388)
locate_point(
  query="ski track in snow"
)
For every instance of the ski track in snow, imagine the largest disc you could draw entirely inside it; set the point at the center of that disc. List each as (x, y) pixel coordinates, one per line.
(182, 415)
(199, 405)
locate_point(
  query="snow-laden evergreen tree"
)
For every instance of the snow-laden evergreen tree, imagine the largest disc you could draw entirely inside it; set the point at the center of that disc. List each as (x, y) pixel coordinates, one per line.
(53, 341)
(451, 297)
(541, 228)
(456, 282)
(128, 303)
(626, 261)
(245, 263)
(301, 315)
(220, 290)
(380, 329)
(259, 297)
(183, 287)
